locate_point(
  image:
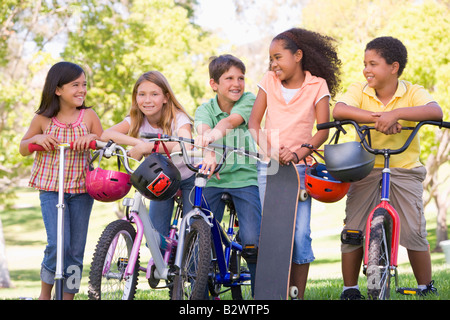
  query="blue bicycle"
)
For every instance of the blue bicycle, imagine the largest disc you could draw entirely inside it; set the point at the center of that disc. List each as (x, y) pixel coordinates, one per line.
(211, 257)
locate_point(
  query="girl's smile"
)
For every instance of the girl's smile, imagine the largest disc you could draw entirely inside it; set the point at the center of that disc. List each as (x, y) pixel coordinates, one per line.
(150, 100)
(285, 64)
(72, 94)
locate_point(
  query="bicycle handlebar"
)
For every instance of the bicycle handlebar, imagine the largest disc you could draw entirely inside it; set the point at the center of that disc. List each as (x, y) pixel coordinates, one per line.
(32, 147)
(361, 129)
(181, 141)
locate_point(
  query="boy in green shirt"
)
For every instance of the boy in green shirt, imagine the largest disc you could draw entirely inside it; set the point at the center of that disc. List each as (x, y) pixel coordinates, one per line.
(224, 120)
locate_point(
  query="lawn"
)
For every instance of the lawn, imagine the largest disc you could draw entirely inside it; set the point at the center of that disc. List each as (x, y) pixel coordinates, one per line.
(25, 241)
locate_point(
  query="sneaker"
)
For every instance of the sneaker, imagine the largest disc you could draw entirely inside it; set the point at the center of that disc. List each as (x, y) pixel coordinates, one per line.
(352, 294)
(429, 290)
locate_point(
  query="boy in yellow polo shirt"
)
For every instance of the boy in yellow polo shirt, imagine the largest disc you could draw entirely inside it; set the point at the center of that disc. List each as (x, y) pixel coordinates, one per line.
(390, 104)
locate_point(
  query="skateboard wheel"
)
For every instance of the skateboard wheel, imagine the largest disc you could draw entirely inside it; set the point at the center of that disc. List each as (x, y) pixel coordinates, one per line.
(293, 292)
(303, 195)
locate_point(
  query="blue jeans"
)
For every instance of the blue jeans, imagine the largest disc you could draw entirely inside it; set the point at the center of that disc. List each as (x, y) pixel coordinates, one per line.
(248, 208)
(160, 212)
(77, 211)
(302, 251)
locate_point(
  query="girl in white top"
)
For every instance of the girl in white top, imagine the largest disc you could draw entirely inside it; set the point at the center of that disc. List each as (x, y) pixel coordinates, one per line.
(155, 109)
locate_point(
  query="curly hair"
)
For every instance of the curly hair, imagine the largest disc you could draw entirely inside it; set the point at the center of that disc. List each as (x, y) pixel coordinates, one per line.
(319, 54)
(391, 49)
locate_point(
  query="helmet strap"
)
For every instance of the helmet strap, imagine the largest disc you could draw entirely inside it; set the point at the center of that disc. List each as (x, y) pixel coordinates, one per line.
(156, 147)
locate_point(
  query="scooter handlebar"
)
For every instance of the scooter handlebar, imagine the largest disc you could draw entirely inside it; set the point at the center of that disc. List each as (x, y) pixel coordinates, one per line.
(32, 147)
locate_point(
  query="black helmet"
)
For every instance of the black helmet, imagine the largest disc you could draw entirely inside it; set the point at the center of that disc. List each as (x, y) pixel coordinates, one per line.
(156, 178)
(349, 161)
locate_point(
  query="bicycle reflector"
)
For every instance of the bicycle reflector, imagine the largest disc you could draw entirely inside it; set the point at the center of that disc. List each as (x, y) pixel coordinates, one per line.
(349, 161)
(322, 186)
(156, 178)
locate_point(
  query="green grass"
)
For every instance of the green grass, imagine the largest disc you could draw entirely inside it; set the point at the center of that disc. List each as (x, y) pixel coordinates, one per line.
(25, 241)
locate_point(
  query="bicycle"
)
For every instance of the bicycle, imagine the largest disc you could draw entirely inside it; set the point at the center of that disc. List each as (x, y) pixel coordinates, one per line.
(227, 267)
(381, 241)
(184, 264)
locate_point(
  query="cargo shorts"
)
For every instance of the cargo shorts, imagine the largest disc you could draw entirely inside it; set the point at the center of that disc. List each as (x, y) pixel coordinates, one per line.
(406, 191)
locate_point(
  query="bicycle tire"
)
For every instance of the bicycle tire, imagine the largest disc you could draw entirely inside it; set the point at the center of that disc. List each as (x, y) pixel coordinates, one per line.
(111, 285)
(378, 268)
(192, 280)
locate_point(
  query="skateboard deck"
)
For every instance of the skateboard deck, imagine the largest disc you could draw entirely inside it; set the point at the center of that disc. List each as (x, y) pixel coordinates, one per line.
(277, 234)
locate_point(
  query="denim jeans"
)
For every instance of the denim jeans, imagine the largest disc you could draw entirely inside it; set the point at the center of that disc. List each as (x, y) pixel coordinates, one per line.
(248, 208)
(302, 251)
(77, 212)
(160, 212)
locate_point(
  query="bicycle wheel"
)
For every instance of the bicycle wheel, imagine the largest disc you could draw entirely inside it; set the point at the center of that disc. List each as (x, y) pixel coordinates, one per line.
(106, 281)
(191, 282)
(378, 271)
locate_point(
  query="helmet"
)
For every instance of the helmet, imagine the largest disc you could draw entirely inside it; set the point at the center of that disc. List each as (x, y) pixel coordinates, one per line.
(348, 162)
(322, 186)
(156, 178)
(107, 185)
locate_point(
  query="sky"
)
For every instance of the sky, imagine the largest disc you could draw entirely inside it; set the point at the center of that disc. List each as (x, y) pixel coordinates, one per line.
(220, 16)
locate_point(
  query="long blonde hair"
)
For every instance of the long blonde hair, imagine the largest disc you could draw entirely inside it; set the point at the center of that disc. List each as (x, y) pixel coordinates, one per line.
(169, 110)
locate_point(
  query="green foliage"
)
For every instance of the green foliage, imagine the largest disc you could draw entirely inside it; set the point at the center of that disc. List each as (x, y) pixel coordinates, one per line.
(421, 25)
(116, 44)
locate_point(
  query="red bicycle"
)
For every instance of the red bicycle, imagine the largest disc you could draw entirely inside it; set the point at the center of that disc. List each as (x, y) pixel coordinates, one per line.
(382, 233)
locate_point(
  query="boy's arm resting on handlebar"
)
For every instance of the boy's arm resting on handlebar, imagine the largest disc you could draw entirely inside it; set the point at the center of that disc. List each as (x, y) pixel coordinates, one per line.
(343, 111)
(387, 122)
(207, 135)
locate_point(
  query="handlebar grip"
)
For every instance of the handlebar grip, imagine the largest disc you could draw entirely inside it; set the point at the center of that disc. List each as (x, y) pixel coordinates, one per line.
(326, 125)
(32, 147)
(92, 145)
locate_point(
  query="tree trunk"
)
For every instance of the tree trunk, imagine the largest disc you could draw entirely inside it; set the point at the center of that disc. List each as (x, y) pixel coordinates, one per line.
(5, 281)
(435, 183)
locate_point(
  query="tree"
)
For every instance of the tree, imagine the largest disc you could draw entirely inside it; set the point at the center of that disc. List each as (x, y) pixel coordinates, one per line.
(117, 41)
(423, 27)
(25, 29)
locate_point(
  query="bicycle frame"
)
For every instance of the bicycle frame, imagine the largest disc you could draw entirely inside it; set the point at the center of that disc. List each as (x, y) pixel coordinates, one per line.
(394, 215)
(144, 228)
(201, 208)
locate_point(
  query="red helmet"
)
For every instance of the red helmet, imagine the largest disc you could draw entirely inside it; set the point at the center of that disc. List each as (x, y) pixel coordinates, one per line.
(322, 186)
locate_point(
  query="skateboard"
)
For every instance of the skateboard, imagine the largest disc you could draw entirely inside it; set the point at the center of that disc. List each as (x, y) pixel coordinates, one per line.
(277, 234)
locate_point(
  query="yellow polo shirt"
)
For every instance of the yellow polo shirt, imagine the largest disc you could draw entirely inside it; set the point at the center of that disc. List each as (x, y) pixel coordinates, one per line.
(360, 95)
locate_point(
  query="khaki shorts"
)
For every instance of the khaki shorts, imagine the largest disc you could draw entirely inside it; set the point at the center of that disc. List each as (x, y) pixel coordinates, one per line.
(405, 196)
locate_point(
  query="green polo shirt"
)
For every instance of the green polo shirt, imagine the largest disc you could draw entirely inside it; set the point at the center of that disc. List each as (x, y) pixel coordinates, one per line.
(239, 171)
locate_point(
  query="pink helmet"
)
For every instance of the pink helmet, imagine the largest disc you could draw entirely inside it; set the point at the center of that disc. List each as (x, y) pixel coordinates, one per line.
(106, 185)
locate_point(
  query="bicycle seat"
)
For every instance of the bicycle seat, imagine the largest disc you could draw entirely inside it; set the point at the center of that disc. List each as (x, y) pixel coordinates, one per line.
(226, 197)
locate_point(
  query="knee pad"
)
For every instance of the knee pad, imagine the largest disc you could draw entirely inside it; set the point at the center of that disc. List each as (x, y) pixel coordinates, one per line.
(250, 253)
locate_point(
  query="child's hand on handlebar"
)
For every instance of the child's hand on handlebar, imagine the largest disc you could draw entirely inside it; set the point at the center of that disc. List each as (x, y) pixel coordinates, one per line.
(387, 123)
(140, 150)
(82, 143)
(203, 140)
(47, 141)
(209, 164)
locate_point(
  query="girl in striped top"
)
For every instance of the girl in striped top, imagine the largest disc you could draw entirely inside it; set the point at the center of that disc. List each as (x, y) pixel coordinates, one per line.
(62, 117)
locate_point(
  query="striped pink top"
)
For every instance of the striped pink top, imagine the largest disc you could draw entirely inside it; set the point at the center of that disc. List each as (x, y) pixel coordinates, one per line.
(44, 174)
